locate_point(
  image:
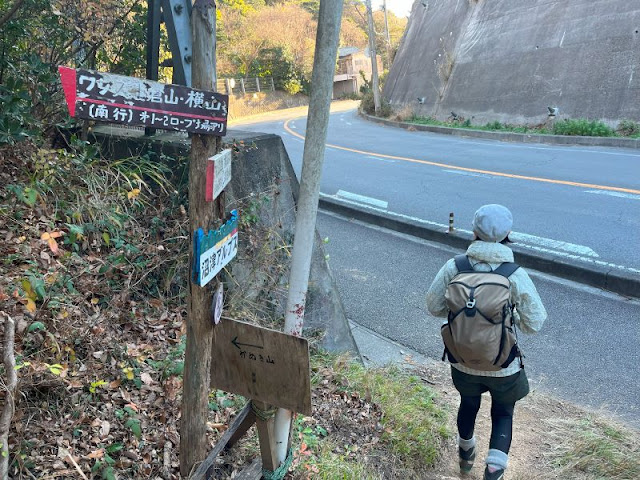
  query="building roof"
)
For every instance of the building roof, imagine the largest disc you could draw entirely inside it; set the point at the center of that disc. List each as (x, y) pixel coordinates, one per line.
(346, 51)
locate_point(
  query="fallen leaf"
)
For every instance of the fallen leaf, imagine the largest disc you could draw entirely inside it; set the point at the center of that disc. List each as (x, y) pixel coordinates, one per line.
(104, 429)
(96, 453)
(146, 378)
(172, 386)
(133, 193)
(50, 238)
(31, 306)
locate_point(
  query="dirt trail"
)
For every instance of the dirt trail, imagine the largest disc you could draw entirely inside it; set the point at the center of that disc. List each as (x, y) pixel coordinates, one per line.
(540, 425)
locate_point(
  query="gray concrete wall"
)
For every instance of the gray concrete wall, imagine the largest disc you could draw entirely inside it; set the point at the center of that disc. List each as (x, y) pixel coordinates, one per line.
(508, 60)
(263, 185)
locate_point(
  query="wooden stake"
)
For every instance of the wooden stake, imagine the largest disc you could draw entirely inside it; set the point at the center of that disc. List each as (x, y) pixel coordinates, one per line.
(243, 421)
(266, 436)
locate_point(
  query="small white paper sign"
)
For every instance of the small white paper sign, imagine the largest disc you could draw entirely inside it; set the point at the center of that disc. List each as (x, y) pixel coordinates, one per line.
(218, 301)
(218, 174)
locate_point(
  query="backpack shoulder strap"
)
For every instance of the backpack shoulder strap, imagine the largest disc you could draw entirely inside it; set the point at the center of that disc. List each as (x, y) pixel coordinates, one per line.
(463, 264)
(506, 269)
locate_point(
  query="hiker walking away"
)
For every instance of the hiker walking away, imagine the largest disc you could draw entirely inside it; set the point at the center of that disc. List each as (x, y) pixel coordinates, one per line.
(485, 296)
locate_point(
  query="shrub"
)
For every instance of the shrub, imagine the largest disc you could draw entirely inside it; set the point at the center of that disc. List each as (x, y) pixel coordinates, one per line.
(494, 126)
(368, 105)
(582, 127)
(629, 128)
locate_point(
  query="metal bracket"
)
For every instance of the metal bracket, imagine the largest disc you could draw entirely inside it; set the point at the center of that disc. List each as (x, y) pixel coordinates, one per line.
(177, 17)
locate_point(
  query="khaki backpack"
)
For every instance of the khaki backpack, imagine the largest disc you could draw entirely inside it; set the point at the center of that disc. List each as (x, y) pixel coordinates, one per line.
(479, 332)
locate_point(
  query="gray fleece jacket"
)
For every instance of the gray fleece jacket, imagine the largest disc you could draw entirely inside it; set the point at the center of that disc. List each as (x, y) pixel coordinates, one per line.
(529, 314)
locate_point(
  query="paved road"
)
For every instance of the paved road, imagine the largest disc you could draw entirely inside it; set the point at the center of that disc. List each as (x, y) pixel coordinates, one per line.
(587, 352)
(582, 202)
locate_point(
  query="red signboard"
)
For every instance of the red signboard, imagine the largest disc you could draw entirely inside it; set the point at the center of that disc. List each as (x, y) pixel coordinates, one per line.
(106, 97)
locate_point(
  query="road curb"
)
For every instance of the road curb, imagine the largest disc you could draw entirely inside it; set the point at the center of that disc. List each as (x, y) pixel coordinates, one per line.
(606, 278)
(633, 143)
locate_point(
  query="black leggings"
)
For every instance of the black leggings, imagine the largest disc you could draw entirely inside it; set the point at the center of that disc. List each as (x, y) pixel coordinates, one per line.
(501, 421)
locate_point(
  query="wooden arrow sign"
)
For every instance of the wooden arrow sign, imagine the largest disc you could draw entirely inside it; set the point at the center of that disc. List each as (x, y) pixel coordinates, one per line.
(106, 97)
(261, 364)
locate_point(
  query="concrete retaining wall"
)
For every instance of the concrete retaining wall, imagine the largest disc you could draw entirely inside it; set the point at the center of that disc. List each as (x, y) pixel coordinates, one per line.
(264, 185)
(507, 60)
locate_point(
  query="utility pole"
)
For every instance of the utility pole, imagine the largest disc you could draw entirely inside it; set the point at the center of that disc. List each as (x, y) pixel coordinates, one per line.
(324, 64)
(197, 371)
(374, 61)
(386, 29)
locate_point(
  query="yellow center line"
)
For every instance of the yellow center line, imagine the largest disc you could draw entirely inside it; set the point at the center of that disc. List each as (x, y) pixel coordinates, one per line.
(475, 170)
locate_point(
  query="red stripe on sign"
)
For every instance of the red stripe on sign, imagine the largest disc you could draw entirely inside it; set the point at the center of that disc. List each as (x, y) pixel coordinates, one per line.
(154, 110)
(68, 80)
(208, 196)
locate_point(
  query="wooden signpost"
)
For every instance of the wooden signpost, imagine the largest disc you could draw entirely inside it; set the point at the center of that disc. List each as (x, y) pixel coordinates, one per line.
(262, 364)
(269, 367)
(106, 97)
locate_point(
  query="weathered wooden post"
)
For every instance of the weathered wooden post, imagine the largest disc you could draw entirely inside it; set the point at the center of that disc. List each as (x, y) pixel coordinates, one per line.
(197, 373)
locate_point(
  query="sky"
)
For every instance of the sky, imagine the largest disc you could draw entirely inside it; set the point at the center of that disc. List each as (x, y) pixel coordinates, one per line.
(401, 8)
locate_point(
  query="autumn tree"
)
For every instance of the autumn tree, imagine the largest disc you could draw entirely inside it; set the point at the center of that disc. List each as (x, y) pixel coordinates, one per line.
(274, 40)
(354, 17)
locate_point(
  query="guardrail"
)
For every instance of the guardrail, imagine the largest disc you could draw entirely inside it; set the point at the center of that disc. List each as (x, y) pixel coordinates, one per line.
(242, 86)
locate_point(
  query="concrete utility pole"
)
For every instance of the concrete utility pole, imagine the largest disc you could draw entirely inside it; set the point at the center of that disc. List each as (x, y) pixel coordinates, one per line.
(324, 64)
(386, 29)
(374, 62)
(197, 361)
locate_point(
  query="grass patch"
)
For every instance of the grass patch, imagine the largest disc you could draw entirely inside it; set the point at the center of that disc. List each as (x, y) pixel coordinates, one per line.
(490, 126)
(386, 423)
(569, 127)
(600, 450)
(582, 127)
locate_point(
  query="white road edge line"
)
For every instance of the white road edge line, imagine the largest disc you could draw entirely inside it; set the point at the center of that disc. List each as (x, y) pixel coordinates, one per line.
(388, 160)
(468, 174)
(566, 253)
(615, 194)
(361, 199)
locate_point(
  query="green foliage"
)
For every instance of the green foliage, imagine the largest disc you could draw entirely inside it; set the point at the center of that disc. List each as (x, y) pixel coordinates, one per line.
(278, 62)
(172, 364)
(414, 427)
(15, 114)
(103, 34)
(27, 195)
(582, 127)
(36, 326)
(496, 125)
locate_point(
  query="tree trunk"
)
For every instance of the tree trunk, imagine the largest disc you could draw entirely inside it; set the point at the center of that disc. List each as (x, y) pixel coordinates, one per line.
(197, 362)
(11, 386)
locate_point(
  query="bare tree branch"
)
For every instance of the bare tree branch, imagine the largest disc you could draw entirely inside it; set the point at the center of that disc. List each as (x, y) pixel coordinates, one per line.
(10, 394)
(11, 12)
